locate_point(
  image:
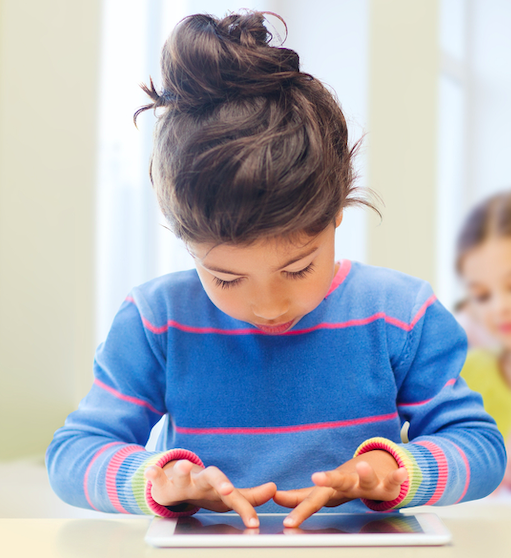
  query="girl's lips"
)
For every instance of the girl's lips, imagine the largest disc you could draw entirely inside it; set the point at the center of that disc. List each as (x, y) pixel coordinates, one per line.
(281, 328)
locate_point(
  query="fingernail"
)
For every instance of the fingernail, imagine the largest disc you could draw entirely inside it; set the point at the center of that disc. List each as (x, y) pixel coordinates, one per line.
(253, 522)
(289, 522)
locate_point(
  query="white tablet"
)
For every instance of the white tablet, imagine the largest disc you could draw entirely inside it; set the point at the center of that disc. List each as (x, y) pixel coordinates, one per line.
(322, 529)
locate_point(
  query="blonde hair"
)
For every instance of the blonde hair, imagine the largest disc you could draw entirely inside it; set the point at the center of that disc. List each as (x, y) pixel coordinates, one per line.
(490, 218)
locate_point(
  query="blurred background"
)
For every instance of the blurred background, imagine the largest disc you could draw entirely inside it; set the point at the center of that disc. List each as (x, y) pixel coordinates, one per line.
(427, 84)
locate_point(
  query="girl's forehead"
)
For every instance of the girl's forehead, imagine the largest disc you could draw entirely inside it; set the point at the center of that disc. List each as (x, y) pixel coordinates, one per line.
(489, 260)
(271, 248)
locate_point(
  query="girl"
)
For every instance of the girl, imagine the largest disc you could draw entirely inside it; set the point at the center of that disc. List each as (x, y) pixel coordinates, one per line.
(484, 263)
(271, 362)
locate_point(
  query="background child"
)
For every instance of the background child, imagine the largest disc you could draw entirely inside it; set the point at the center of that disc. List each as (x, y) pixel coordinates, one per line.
(484, 263)
(271, 362)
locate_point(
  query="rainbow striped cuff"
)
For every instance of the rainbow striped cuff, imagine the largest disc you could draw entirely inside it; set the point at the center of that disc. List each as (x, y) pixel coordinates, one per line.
(404, 459)
(142, 485)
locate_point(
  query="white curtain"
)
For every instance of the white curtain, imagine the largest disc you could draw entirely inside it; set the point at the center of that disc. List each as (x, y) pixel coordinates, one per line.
(132, 244)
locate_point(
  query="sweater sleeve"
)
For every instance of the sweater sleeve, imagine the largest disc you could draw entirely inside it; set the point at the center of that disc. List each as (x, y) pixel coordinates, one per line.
(456, 452)
(97, 459)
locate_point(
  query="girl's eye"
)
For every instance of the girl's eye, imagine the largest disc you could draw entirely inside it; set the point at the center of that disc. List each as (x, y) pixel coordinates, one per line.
(226, 284)
(300, 274)
(481, 298)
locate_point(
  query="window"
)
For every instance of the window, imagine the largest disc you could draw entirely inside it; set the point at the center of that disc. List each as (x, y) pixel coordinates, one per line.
(474, 120)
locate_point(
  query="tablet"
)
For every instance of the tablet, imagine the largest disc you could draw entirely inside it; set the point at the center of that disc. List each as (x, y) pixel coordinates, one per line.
(322, 529)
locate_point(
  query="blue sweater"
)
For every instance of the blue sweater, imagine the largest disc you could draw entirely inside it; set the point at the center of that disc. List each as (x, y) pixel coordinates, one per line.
(378, 351)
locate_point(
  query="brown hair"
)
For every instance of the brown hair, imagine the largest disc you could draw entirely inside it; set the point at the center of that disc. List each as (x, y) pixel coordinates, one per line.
(246, 145)
(490, 218)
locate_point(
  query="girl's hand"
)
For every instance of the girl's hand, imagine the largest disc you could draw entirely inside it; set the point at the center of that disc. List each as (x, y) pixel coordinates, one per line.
(182, 481)
(374, 475)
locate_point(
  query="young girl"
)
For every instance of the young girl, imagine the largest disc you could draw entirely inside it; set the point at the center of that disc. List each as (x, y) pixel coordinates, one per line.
(271, 362)
(484, 263)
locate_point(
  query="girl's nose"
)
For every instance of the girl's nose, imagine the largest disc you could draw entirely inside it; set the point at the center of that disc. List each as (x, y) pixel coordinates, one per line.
(502, 304)
(268, 310)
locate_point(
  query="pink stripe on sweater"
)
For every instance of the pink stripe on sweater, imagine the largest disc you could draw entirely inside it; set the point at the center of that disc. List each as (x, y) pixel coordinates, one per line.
(467, 467)
(422, 310)
(374, 317)
(86, 476)
(443, 470)
(283, 429)
(191, 329)
(128, 398)
(353, 323)
(254, 331)
(339, 278)
(111, 474)
(451, 382)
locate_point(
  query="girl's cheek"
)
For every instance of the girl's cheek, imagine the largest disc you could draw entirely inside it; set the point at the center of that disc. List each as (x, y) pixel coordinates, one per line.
(489, 323)
(481, 313)
(233, 305)
(507, 302)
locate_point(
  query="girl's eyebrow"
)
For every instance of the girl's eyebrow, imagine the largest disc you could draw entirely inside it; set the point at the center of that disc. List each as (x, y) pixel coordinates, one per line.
(299, 257)
(220, 270)
(473, 284)
(291, 261)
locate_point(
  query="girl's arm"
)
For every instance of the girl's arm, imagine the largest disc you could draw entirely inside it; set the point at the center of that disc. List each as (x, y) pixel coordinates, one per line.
(455, 453)
(98, 459)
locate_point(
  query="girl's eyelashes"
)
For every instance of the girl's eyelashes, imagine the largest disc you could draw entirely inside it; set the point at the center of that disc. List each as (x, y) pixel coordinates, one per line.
(300, 274)
(289, 274)
(226, 284)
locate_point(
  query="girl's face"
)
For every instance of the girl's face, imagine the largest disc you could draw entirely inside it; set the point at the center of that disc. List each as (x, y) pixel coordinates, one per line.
(486, 270)
(270, 284)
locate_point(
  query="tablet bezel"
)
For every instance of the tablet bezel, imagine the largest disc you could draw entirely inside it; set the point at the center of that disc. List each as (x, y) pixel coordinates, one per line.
(161, 534)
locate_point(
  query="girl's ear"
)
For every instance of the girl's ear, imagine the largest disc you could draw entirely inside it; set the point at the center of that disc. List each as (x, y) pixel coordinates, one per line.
(338, 219)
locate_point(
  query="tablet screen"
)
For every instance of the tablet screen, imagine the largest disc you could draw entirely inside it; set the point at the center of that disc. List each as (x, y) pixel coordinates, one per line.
(322, 529)
(326, 524)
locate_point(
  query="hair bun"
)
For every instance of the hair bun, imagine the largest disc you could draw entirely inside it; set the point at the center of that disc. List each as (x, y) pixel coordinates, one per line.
(208, 60)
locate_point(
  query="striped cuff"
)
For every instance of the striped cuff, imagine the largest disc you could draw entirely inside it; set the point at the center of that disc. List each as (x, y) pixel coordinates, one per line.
(404, 459)
(163, 459)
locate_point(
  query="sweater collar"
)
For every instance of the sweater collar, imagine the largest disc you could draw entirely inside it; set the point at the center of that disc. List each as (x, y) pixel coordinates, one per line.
(340, 276)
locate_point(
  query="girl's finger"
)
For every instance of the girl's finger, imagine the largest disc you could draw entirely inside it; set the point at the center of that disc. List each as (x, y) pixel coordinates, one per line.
(316, 499)
(156, 475)
(367, 479)
(342, 482)
(291, 498)
(258, 495)
(238, 503)
(181, 473)
(395, 479)
(212, 477)
(182, 467)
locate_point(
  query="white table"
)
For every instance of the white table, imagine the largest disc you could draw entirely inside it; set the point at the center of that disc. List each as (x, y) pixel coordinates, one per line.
(479, 531)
